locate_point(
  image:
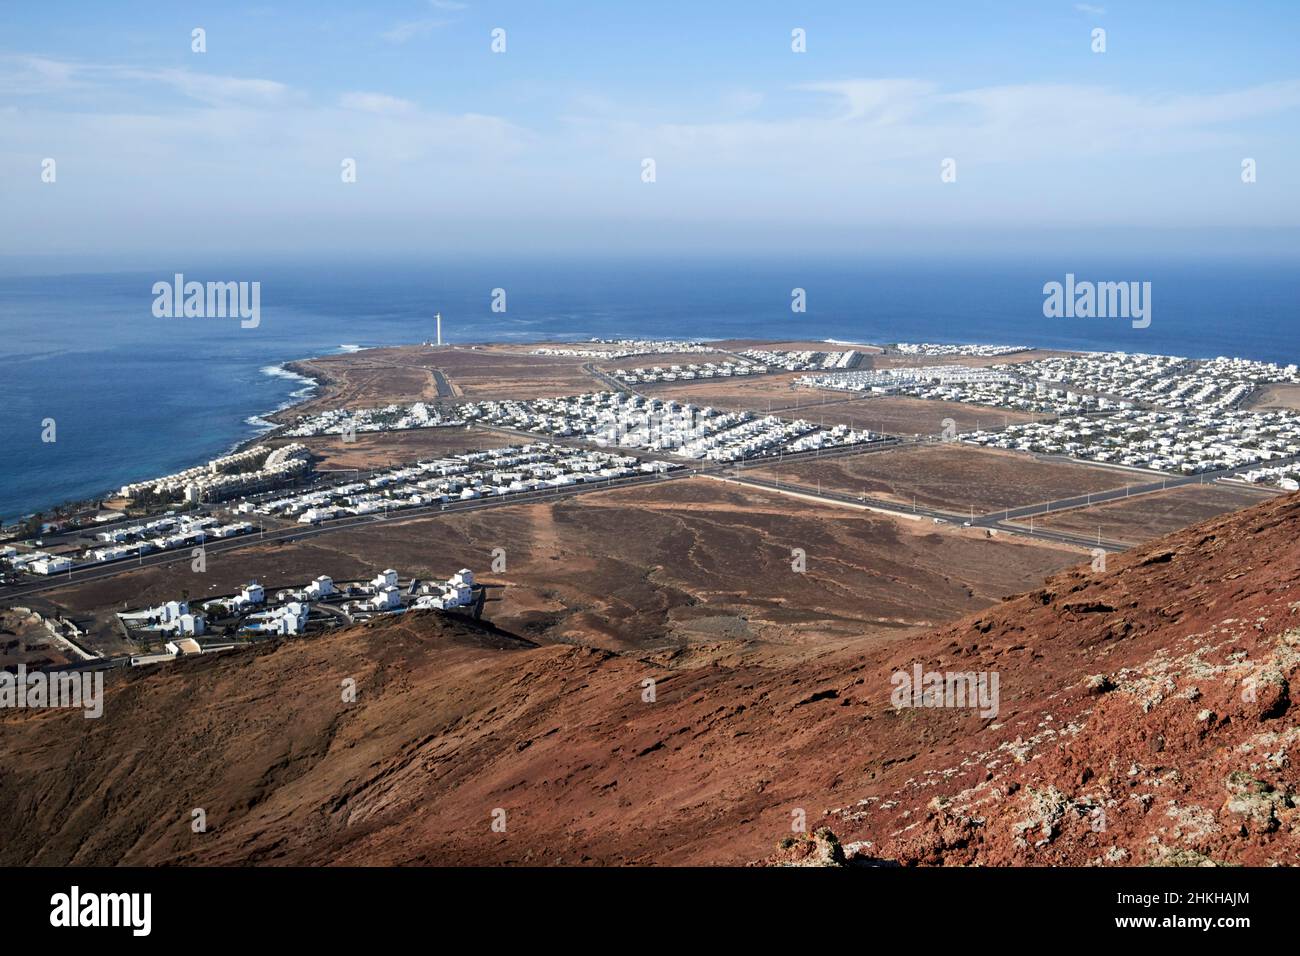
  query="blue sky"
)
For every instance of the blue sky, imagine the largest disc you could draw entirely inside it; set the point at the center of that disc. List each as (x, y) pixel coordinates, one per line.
(540, 149)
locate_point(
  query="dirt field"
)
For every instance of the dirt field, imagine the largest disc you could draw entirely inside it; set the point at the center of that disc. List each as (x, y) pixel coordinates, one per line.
(367, 379)
(951, 475)
(379, 450)
(407, 374)
(911, 417)
(496, 373)
(1134, 520)
(688, 561)
(1284, 396)
(752, 392)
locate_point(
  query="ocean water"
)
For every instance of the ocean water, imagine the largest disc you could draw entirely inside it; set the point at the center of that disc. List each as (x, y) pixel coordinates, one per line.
(134, 396)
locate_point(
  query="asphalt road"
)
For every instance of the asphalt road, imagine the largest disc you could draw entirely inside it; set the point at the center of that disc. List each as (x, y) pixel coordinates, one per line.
(440, 381)
(1161, 484)
(951, 517)
(611, 381)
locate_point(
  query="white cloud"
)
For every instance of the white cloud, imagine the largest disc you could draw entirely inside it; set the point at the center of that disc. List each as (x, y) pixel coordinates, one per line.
(741, 100)
(35, 76)
(881, 101)
(213, 89)
(375, 103)
(879, 121)
(1090, 9)
(1088, 116)
(412, 29)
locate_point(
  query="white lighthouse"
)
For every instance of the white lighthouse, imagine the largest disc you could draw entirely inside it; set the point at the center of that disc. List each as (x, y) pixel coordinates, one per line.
(438, 317)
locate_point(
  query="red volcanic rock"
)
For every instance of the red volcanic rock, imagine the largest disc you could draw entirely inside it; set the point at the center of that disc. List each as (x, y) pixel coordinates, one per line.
(820, 849)
(1143, 716)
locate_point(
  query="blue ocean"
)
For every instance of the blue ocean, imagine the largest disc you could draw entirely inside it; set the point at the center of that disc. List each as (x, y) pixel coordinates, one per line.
(133, 396)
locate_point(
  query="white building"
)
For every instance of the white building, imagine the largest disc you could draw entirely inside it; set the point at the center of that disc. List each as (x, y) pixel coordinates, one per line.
(323, 586)
(291, 618)
(173, 610)
(50, 565)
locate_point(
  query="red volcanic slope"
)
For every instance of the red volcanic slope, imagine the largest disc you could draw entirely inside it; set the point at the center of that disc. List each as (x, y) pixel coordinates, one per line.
(1144, 717)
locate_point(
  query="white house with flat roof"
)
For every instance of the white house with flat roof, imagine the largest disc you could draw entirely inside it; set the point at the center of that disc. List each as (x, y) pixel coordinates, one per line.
(389, 598)
(323, 586)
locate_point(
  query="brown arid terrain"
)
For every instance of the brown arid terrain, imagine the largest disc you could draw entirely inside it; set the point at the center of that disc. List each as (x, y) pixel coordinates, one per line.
(953, 476)
(411, 373)
(755, 393)
(706, 560)
(639, 568)
(1144, 717)
(493, 372)
(1283, 395)
(1134, 520)
(900, 415)
(379, 450)
(366, 379)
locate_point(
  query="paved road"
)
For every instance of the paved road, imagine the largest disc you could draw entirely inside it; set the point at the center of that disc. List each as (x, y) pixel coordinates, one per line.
(1065, 537)
(952, 517)
(444, 387)
(1143, 488)
(838, 497)
(614, 383)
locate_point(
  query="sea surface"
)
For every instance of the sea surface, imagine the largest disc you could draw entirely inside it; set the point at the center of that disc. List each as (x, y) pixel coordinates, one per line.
(133, 396)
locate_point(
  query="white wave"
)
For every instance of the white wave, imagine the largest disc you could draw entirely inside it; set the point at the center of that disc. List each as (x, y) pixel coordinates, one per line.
(279, 371)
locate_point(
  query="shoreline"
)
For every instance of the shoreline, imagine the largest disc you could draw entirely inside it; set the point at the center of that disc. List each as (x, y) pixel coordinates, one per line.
(314, 387)
(315, 384)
